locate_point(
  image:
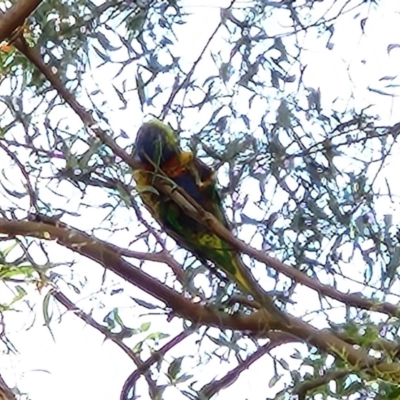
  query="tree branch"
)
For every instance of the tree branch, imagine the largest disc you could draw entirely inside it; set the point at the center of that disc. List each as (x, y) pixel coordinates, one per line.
(311, 384)
(256, 323)
(277, 338)
(15, 16)
(207, 219)
(70, 306)
(5, 392)
(156, 356)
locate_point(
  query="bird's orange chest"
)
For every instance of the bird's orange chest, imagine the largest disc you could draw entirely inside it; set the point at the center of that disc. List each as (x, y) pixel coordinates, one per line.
(173, 168)
(183, 172)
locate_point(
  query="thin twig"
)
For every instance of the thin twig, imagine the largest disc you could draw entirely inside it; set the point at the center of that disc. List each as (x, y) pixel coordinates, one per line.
(70, 306)
(155, 357)
(29, 187)
(209, 390)
(185, 82)
(310, 384)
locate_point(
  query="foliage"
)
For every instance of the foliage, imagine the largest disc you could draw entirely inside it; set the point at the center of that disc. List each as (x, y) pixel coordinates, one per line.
(306, 171)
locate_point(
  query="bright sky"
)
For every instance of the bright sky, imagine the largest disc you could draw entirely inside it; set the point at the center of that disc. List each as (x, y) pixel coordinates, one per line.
(80, 364)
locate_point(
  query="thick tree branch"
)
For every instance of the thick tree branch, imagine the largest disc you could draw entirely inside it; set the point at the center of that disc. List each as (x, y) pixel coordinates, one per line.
(256, 323)
(388, 348)
(33, 55)
(15, 16)
(5, 392)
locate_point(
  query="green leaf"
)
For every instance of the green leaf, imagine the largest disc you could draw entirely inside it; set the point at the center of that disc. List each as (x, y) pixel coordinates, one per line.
(46, 312)
(145, 327)
(174, 369)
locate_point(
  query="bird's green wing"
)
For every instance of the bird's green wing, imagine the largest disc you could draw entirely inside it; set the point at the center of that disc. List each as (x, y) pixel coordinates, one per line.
(212, 247)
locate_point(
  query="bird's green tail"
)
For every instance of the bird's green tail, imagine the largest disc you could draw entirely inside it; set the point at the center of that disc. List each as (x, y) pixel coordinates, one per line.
(248, 284)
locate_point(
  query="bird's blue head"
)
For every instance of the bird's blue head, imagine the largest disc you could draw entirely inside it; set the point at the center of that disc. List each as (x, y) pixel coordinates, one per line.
(156, 143)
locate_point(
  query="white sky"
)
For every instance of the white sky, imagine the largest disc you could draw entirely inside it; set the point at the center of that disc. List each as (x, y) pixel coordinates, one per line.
(81, 365)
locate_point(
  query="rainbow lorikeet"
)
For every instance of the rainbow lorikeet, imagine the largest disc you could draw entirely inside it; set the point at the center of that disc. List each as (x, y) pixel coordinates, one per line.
(159, 154)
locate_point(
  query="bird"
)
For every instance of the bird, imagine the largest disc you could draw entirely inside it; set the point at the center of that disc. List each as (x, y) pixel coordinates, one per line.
(157, 153)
